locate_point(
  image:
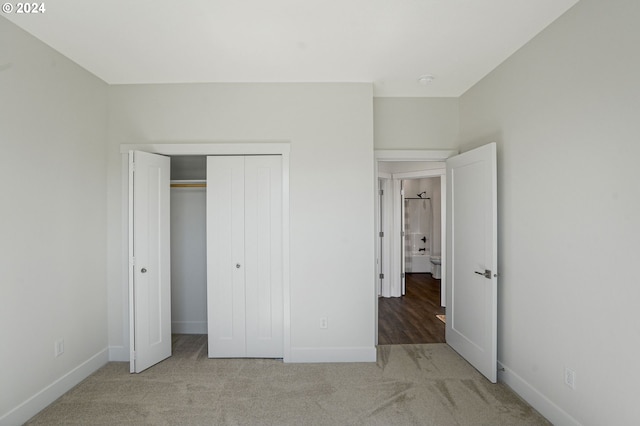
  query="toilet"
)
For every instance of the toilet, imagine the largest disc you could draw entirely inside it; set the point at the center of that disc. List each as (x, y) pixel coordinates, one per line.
(435, 269)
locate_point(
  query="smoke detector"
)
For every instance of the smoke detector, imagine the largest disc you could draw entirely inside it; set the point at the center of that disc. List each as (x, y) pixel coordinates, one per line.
(425, 79)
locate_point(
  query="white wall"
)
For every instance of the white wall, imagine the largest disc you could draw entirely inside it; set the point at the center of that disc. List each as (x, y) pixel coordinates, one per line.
(415, 123)
(53, 228)
(188, 260)
(330, 128)
(565, 112)
(409, 166)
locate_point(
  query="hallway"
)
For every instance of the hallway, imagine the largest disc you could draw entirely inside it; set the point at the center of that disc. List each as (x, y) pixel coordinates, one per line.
(411, 319)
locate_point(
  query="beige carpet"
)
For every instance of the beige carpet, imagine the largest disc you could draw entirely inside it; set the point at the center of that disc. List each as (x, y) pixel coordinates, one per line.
(409, 385)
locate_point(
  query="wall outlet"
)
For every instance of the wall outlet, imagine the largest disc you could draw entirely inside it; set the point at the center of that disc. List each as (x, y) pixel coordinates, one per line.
(58, 348)
(570, 378)
(324, 322)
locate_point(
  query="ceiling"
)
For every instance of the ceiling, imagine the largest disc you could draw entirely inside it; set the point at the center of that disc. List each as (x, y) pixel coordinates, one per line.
(388, 42)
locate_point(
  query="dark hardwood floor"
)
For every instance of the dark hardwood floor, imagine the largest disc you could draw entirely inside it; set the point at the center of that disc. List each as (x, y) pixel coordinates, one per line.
(412, 318)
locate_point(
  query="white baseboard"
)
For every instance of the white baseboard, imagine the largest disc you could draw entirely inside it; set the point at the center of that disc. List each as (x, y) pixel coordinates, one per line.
(341, 354)
(55, 390)
(537, 400)
(189, 327)
(118, 354)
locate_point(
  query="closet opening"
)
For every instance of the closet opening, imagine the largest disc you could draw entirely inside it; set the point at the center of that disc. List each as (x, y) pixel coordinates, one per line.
(188, 245)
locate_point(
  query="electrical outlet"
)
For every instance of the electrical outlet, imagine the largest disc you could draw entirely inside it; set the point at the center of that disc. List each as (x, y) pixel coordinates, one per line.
(570, 378)
(324, 322)
(58, 348)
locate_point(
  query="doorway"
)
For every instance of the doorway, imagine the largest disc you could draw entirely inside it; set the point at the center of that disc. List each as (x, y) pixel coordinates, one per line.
(241, 149)
(391, 168)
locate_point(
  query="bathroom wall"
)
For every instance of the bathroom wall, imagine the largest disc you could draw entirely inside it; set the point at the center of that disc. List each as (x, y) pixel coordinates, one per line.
(412, 187)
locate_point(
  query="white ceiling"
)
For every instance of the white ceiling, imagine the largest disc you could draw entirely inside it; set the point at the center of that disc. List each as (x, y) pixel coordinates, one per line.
(388, 42)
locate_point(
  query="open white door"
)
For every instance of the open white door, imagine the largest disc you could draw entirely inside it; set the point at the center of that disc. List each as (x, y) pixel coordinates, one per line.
(472, 264)
(385, 236)
(149, 254)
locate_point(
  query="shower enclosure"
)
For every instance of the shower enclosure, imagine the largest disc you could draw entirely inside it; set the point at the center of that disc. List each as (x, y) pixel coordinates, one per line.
(418, 225)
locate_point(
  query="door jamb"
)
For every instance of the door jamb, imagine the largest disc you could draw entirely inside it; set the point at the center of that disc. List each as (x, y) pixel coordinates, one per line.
(245, 148)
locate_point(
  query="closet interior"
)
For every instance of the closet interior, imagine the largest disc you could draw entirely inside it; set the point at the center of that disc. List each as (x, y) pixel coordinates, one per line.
(188, 245)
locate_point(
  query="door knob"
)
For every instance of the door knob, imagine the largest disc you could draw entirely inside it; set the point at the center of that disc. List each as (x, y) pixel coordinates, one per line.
(486, 273)
(237, 265)
(143, 270)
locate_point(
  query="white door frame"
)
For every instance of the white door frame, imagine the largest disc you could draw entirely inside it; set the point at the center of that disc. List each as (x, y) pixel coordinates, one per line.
(257, 148)
(401, 156)
(384, 227)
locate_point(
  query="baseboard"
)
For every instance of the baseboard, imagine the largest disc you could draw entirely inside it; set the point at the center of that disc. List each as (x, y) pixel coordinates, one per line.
(340, 354)
(189, 327)
(537, 400)
(55, 390)
(118, 354)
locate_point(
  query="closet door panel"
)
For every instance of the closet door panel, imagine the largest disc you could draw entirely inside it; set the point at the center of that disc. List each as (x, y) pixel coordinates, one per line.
(225, 257)
(263, 251)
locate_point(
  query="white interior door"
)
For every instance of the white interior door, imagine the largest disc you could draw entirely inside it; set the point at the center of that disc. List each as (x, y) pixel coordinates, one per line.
(150, 267)
(403, 242)
(392, 285)
(472, 264)
(244, 256)
(385, 236)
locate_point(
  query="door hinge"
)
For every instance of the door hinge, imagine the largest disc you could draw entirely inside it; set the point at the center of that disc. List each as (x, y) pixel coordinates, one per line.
(381, 234)
(402, 275)
(381, 192)
(132, 261)
(402, 192)
(381, 276)
(135, 355)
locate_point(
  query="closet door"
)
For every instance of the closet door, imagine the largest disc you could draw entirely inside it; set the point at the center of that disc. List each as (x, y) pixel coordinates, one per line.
(150, 260)
(244, 256)
(225, 257)
(263, 256)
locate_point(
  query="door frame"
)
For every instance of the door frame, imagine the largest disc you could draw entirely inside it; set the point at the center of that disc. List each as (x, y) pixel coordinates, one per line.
(381, 155)
(221, 148)
(426, 174)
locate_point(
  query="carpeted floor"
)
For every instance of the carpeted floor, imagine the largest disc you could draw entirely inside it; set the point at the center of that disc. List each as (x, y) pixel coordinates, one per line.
(409, 385)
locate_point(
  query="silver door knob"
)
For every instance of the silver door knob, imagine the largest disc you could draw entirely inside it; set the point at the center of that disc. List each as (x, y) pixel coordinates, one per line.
(143, 270)
(237, 265)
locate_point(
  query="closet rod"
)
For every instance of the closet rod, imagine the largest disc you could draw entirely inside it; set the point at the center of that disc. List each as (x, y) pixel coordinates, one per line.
(188, 185)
